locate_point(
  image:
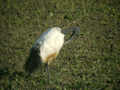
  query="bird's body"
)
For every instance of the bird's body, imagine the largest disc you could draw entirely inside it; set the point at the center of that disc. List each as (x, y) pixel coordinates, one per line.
(49, 44)
(47, 47)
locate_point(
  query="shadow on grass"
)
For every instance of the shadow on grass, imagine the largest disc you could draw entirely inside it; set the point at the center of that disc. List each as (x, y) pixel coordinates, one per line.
(4, 72)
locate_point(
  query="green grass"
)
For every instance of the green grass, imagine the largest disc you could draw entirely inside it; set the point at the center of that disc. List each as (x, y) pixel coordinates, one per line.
(90, 62)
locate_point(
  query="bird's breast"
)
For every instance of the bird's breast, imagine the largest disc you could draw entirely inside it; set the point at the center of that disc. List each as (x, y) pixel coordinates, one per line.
(50, 57)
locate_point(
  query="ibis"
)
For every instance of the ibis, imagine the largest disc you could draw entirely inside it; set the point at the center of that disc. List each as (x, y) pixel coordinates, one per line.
(48, 45)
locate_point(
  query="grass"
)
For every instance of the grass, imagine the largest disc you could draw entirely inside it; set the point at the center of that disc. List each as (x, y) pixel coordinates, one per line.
(90, 62)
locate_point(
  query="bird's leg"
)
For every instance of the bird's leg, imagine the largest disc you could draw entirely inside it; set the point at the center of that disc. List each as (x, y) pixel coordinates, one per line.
(48, 73)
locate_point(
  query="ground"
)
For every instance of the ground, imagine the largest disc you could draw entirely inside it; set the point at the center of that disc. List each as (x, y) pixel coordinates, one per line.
(90, 62)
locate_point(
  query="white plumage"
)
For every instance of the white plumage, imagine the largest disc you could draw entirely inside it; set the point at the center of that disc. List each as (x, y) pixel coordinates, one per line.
(50, 43)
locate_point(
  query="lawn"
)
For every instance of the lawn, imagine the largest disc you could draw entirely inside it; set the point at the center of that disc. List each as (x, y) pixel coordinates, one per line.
(90, 62)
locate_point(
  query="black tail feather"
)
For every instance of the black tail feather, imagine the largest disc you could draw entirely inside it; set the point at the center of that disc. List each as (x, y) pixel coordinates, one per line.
(33, 61)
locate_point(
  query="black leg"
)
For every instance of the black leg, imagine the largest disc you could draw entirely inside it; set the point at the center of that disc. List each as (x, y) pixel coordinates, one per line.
(48, 74)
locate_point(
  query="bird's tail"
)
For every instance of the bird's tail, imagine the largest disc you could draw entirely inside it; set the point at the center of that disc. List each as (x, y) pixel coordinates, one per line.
(33, 61)
(73, 31)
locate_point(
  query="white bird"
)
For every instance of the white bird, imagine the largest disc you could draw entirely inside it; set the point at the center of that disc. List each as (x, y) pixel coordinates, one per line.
(49, 44)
